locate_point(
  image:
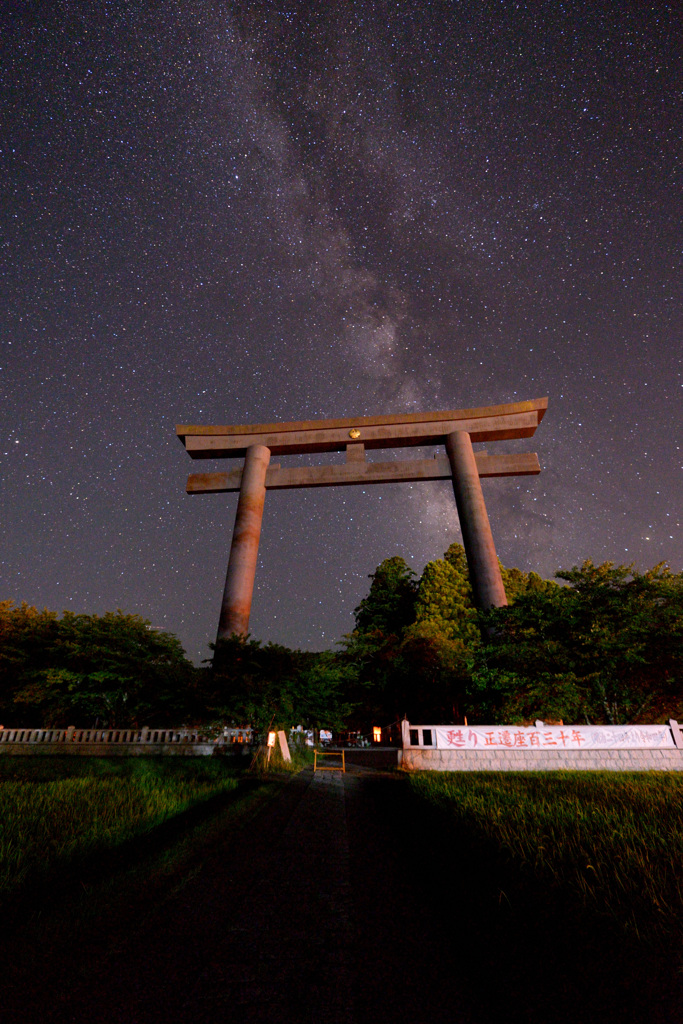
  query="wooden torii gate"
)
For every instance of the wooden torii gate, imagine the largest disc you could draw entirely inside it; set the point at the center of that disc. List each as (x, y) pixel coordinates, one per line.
(455, 429)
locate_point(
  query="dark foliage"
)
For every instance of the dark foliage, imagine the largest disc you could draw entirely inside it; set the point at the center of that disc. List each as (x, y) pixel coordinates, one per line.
(608, 648)
(390, 605)
(267, 685)
(88, 670)
(605, 648)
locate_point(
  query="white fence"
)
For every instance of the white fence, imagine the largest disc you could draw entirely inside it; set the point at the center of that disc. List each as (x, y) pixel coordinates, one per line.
(541, 747)
(121, 741)
(542, 737)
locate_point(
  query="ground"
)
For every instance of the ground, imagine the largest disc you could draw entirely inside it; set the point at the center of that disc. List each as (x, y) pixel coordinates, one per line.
(340, 902)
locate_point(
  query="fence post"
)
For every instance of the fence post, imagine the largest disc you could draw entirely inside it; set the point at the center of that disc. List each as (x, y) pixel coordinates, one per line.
(676, 732)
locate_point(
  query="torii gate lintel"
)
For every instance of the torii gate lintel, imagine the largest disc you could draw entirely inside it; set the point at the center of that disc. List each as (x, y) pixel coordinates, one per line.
(454, 429)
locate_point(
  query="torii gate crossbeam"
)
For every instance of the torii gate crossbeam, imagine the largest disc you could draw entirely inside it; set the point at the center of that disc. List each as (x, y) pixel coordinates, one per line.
(456, 429)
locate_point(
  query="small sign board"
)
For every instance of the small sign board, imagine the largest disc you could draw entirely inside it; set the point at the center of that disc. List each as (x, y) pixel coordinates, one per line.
(284, 746)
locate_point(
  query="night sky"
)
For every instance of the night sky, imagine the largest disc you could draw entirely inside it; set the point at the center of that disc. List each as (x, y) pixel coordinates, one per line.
(252, 212)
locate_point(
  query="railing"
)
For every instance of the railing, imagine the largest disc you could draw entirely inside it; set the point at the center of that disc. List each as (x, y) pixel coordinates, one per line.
(146, 735)
(329, 767)
(541, 736)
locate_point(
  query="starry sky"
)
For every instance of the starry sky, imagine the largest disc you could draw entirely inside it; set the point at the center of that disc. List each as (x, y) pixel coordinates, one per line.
(252, 212)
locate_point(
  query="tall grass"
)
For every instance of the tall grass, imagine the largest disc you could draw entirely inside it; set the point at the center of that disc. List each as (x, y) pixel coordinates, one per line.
(613, 839)
(53, 813)
(301, 757)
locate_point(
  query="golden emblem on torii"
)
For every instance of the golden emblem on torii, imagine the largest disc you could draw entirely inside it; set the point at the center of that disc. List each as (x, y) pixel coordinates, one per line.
(454, 429)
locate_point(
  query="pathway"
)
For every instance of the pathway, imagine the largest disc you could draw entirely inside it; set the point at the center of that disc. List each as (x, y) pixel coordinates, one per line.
(313, 916)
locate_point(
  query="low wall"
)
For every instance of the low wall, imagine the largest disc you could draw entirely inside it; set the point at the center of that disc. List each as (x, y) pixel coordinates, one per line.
(541, 748)
(145, 742)
(421, 759)
(109, 749)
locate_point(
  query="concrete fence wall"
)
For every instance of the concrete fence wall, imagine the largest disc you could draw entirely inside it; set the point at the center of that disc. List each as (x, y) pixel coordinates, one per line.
(416, 759)
(508, 748)
(144, 742)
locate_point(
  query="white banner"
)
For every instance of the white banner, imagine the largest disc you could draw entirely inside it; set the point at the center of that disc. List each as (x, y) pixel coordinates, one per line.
(549, 737)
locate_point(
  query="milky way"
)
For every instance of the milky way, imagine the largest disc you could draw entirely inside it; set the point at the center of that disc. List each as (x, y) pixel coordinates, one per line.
(260, 212)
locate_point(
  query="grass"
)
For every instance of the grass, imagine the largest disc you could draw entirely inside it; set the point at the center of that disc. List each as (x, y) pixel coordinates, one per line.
(97, 845)
(610, 842)
(300, 757)
(56, 811)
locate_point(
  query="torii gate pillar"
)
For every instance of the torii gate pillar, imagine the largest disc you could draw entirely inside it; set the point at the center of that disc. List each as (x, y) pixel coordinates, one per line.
(239, 580)
(482, 561)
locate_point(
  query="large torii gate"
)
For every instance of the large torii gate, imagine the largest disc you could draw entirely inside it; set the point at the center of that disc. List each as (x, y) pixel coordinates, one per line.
(456, 429)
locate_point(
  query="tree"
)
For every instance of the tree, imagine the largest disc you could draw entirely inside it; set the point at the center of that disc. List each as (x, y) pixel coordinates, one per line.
(515, 581)
(112, 670)
(371, 653)
(271, 686)
(435, 673)
(414, 641)
(444, 599)
(390, 605)
(26, 637)
(438, 644)
(322, 692)
(374, 662)
(606, 648)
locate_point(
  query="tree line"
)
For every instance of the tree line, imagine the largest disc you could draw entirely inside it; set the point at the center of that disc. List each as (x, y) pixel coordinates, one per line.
(89, 670)
(599, 644)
